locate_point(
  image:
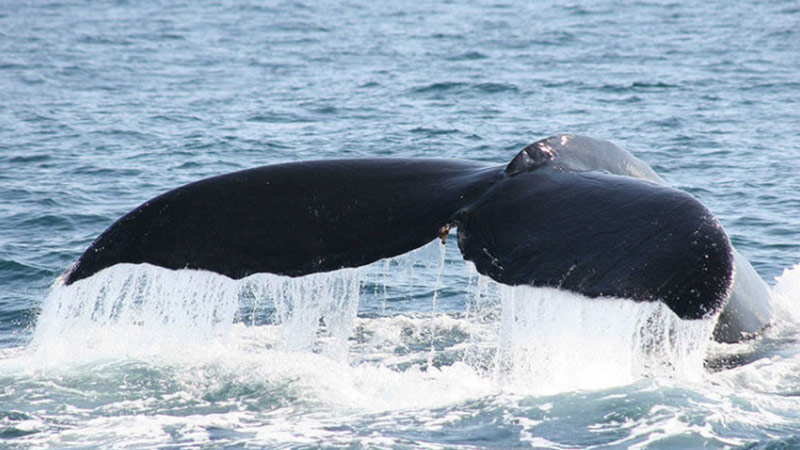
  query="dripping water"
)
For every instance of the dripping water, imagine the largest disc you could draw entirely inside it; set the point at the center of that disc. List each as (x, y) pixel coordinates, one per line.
(520, 338)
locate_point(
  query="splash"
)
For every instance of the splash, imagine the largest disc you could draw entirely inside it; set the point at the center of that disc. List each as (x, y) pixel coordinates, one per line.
(517, 339)
(554, 341)
(312, 308)
(288, 360)
(138, 311)
(786, 297)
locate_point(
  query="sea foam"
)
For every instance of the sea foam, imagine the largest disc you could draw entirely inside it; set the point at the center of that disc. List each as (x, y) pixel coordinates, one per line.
(515, 339)
(142, 310)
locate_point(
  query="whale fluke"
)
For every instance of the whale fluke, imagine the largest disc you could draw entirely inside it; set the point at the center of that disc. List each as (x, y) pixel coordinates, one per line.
(291, 219)
(568, 212)
(601, 235)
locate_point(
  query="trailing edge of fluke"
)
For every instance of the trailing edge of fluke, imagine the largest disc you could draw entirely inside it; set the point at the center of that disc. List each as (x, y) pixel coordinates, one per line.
(568, 212)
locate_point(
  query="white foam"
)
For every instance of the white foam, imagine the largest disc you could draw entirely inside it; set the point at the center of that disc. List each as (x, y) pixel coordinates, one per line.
(510, 339)
(140, 311)
(133, 310)
(324, 303)
(321, 365)
(770, 371)
(554, 341)
(786, 296)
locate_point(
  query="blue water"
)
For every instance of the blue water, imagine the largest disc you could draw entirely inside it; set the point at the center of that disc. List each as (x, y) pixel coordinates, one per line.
(104, 105)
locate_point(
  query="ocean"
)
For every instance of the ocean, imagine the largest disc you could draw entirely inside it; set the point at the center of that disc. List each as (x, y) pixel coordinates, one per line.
(106, 104)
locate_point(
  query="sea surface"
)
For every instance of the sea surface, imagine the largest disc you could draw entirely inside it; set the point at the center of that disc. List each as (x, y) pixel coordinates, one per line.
(105, 104)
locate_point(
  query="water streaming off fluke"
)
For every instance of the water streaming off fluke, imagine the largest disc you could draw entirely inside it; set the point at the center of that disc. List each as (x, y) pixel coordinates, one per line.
(143, 310)
(164, 355)
(520, 339)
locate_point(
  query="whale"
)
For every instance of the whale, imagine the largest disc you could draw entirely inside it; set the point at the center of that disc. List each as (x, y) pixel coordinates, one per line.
(567, 212)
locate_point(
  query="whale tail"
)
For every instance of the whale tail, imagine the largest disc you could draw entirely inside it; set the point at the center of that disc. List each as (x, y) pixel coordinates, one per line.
(541, 221)
(291, 219)
(600, 235)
